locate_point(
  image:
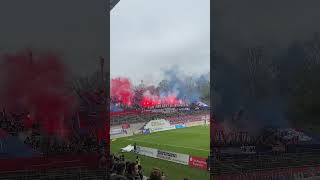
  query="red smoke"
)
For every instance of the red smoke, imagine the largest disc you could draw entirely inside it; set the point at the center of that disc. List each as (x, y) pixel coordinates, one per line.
(121, 91)
(38, 85)
(150, 101)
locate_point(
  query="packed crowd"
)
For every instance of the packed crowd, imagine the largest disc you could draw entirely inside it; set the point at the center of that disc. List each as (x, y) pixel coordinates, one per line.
(46, 144)
(126, 170)
(137, 118)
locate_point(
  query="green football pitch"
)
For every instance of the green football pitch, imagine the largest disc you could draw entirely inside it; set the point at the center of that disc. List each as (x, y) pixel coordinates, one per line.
(194, 141)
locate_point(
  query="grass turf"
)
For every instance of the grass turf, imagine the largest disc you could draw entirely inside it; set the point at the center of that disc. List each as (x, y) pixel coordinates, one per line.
(194, 141)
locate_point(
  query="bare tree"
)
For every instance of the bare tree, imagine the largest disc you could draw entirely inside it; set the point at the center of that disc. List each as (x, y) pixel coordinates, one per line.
(254, 61)
(312, 52)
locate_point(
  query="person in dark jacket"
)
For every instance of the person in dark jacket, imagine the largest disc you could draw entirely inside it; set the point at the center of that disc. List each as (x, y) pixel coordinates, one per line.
(138, 160)
(156, 174)
(119, 172)
(140, 171)
(133, 172)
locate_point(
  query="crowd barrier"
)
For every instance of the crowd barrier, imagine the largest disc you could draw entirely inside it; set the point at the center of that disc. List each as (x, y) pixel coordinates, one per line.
(185, 159)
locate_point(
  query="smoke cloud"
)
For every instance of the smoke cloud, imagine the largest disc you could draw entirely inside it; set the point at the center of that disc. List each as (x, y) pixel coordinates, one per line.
(36, 83)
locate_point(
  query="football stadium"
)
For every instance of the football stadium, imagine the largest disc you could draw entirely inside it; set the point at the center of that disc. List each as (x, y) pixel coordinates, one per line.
(166, 132)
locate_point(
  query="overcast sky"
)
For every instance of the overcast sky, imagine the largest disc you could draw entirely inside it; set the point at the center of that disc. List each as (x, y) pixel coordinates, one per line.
(77, 29)
(272, 23)
(149, 35)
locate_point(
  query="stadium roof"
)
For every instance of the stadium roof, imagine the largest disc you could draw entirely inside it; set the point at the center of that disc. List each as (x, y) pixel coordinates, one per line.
(113, 3)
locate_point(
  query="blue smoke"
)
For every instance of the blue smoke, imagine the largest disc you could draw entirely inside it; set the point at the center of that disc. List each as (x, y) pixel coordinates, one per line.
(114, 108)
(185, 87)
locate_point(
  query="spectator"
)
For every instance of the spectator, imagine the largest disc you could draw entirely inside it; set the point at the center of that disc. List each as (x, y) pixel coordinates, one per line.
(138, 160)
(102, 161)
(119, 172)
(133, 172)
(134, 147)
(156, 174)
(140, 171)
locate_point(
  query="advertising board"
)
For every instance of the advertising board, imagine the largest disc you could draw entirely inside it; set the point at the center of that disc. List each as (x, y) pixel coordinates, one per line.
(171, 127)
(179, 126)
(159, 125)
(146, 131)
(173, 157)
(198, 162)
(205, 117)
(150, 152)
(194, 123)
(164, 155)
(116, 131)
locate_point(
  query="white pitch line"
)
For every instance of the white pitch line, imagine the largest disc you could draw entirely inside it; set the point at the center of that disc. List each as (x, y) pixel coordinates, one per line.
(185, 147)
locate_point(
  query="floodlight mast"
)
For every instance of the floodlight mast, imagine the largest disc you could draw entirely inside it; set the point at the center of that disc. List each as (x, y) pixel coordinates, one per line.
(113, 3)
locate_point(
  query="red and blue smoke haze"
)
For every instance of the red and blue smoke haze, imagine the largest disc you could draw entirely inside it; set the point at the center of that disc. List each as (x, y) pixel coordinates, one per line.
(37, 84)
(175, 89)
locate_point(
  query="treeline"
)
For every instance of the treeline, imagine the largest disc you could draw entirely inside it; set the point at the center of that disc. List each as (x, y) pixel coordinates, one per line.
(274, 87)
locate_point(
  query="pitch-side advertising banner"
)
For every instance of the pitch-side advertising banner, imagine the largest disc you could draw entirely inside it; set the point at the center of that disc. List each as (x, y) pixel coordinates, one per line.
(194, 123)
(206, 117)
(173, 157)
(171, 127)
(159, 125)
(179, 126)
(198, 162)
(146, 131)
(116, 131)
(147, 151)
(164, 155)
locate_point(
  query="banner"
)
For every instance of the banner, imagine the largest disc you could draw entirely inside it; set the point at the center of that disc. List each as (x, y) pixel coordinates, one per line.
(198, 162)
(194, 123)
(159, 125)
(171, 127)
(146, 131)
(116, 131)
(190, 118)
(205, 118)
(150, 152)
(173, 157)
(164, 155)
(179, 126)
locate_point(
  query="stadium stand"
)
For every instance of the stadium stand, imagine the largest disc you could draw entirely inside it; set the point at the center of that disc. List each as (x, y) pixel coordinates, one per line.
(48, 157)
(145, 117)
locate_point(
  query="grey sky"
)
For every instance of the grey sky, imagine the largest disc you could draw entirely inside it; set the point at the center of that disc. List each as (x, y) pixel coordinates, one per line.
(272, 23)
(77, 29)
(148, 35)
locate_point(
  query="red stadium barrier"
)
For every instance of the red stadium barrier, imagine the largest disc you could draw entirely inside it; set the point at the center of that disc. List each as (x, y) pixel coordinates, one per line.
(198, 162)
(126, 113)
